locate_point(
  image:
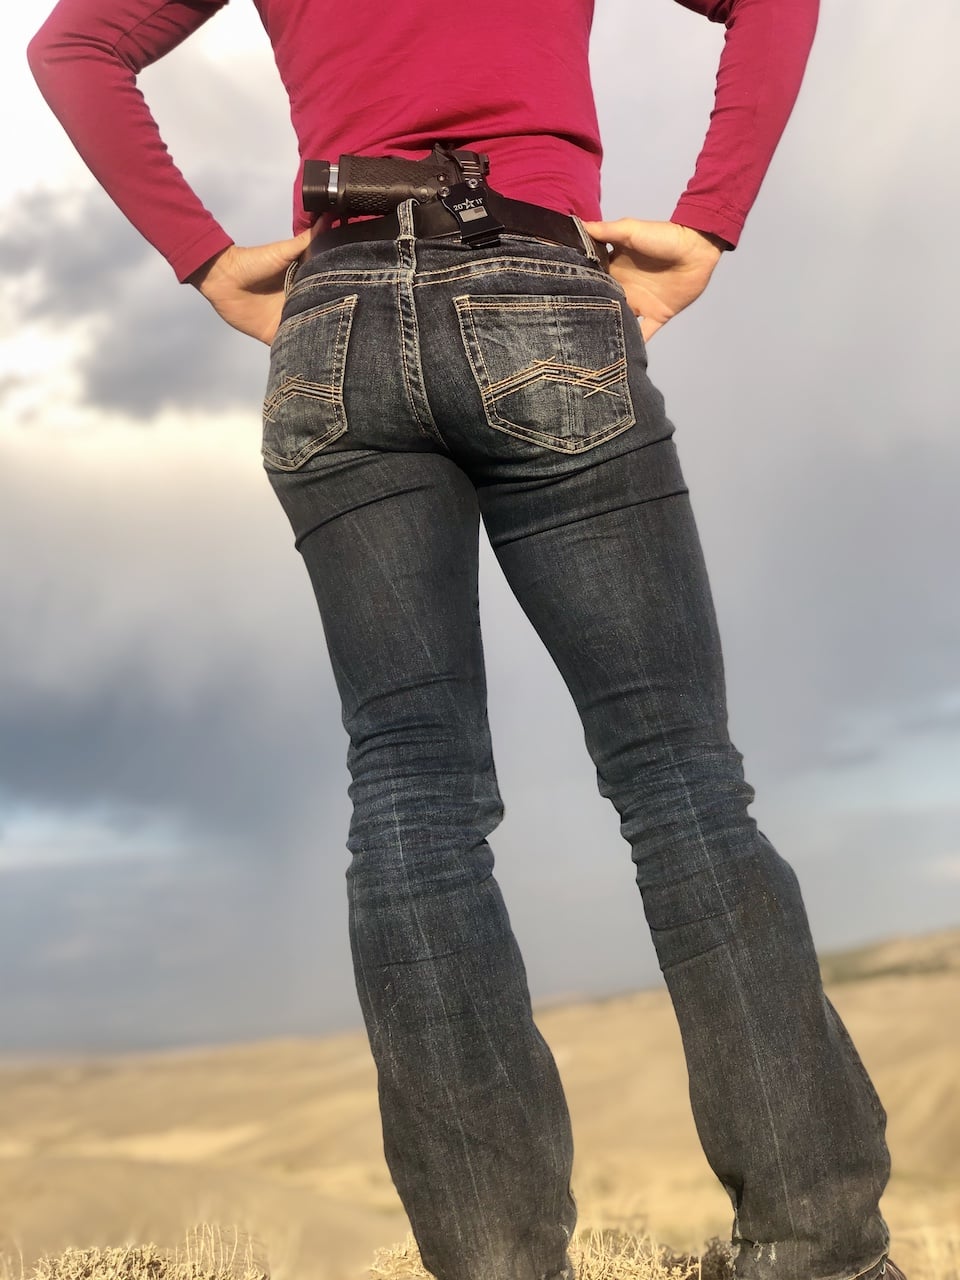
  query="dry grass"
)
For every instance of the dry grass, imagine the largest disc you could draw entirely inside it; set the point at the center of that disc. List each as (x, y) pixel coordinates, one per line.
(208, 1254)
(929, 1253)
(596, 1255)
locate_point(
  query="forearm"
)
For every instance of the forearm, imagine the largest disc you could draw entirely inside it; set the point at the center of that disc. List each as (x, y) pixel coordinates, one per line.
(85, 59)
(761, 69)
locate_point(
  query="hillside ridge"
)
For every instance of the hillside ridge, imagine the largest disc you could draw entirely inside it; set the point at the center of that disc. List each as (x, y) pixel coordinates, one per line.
(900, 956)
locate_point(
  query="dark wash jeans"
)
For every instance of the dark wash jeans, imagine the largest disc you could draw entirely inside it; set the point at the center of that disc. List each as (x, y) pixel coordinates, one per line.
(416, 387)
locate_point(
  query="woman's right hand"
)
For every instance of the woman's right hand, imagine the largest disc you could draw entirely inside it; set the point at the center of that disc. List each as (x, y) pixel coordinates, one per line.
(245, 285)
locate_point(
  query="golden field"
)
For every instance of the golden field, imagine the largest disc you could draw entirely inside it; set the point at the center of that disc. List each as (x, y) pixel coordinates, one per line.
(278, 1142)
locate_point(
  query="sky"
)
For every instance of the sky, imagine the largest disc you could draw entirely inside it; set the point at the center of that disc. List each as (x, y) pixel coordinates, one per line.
(173, 808)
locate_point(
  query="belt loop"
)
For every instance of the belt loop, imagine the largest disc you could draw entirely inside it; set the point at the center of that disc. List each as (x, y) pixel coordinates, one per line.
(406, 241)
(405, 217)
(288, 278)
(589, 245)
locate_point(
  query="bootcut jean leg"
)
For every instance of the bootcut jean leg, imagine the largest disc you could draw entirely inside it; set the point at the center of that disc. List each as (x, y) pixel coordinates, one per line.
(475, 1123)
(606, 563)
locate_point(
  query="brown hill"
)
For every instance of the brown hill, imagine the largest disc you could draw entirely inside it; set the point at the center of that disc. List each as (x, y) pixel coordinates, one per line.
(895, 957)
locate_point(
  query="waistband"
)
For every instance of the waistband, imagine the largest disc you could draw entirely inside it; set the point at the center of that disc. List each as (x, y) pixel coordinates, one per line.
(432, 219)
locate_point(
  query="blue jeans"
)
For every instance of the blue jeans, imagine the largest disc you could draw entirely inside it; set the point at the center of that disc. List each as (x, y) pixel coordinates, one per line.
(417, 387)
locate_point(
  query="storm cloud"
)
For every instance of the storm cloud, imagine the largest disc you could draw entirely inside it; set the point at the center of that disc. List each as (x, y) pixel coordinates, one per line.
(145, 343)
(160, 651)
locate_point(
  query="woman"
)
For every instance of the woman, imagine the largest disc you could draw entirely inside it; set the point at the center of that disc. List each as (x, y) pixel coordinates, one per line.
(418, 385)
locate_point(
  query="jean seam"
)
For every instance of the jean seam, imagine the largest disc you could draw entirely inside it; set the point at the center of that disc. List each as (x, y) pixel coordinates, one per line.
(442, 275)
(407, 312)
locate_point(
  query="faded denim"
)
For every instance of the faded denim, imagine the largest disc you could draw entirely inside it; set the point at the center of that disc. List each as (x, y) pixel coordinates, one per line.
(417, 387)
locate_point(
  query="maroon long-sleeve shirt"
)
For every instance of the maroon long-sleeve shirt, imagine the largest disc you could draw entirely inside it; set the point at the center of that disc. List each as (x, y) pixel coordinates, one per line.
(509, 77)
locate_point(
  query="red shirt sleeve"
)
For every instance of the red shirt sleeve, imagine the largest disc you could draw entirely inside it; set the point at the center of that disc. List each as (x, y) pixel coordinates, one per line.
(85, 59)
(761, 68)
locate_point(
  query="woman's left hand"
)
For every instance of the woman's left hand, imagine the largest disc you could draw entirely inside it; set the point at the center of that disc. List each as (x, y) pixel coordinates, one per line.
(662, 266)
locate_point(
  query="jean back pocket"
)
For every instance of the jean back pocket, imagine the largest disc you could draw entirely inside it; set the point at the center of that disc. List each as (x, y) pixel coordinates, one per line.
(551, 369)
(303, 409)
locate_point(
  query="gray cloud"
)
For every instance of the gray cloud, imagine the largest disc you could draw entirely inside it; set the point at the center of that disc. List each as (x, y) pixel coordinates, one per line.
(77, 247)
(221, 766)
(147, 343)
(76, 261)
(101, 957)
(945, 720)
(136, 671)
(847, 602)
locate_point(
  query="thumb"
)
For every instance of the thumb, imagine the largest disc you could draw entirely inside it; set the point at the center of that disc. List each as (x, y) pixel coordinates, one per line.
(615, 232)
(597, 229)
(629, 233)
(292, 248)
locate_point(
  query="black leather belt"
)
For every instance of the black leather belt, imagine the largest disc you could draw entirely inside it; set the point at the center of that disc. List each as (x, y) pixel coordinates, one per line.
(432, 219)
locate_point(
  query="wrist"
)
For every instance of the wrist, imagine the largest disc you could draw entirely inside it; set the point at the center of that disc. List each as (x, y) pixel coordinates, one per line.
(212, 270)
(704, 248)
(711, 238)
(717, 241)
